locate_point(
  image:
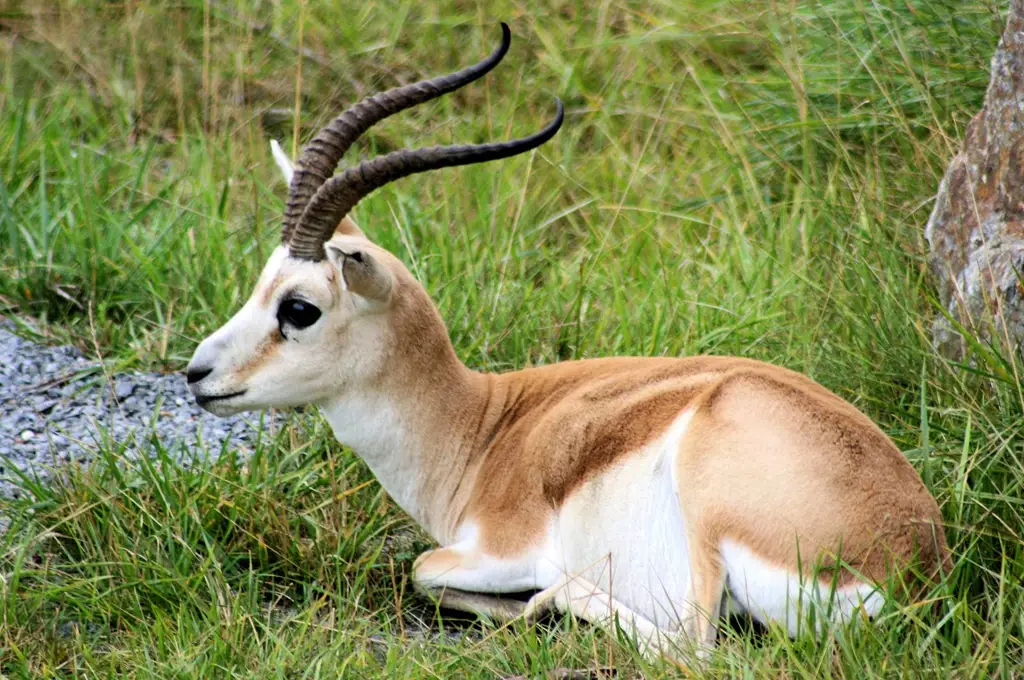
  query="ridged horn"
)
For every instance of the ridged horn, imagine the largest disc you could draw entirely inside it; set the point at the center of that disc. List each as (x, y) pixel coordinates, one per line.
(320, 157)
(339, 195)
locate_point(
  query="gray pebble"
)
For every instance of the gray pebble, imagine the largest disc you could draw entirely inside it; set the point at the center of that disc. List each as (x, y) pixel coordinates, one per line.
(124, 388)
(43, 404)
(55, 406)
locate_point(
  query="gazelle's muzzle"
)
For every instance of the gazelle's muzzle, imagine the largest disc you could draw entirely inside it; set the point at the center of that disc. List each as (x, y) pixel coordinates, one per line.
(209, 376)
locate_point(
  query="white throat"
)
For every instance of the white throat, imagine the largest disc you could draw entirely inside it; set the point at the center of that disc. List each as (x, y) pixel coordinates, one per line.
(375, 429)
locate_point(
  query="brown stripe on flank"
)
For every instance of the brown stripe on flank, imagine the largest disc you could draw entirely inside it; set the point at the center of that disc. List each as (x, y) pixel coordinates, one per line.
(769, 458)
(621, 427)
(570, 423)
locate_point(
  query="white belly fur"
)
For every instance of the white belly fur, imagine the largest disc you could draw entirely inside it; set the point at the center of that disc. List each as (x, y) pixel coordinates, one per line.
(623, 514)
(627, 536)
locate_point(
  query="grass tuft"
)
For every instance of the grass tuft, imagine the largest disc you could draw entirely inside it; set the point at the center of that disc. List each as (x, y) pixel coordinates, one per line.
(733, 178)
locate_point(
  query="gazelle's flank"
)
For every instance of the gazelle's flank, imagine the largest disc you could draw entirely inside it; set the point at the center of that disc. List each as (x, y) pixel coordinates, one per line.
(646, 488)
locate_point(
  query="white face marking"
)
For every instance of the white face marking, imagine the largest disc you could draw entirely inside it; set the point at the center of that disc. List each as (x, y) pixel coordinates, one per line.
(258, 361)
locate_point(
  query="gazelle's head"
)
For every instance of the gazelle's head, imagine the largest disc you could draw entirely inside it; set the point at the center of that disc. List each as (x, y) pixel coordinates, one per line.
(331, 310)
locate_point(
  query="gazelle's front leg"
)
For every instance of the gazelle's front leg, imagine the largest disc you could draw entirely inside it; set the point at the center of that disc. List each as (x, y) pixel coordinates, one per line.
(493, 607)
(462, 578)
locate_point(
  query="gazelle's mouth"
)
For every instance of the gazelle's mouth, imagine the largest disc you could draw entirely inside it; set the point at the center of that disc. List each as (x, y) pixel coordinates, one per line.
(203, 399)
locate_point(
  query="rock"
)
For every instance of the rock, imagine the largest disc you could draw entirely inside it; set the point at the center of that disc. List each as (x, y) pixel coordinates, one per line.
(43, 404)
(45, 419)
(976, 230)
(123, 389)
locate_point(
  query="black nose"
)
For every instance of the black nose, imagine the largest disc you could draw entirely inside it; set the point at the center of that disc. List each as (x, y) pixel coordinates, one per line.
(194, 375)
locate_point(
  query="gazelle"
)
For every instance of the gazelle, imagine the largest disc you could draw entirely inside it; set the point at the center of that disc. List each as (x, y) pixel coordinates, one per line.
(640, 490)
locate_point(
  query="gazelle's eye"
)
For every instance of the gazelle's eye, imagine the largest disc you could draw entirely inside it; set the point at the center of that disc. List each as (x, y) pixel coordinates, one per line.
(297, 313)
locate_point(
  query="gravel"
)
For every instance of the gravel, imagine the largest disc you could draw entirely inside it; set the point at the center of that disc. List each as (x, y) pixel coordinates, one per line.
(56, 406)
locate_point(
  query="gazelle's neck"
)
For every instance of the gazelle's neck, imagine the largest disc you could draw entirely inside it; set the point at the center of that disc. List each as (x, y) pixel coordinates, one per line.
(418, 435)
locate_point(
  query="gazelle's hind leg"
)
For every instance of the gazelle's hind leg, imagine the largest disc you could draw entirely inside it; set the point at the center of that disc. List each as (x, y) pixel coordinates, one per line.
(588, 602)
(707, 588)
(770, 593)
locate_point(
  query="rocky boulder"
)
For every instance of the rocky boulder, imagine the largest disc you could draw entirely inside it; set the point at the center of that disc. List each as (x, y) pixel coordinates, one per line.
(976, 230)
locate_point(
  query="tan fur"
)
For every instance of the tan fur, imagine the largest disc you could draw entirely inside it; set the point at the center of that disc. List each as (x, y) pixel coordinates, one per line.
(787, 459)
(348, 227)
(771, 458)
(267, 292)
(767, 458)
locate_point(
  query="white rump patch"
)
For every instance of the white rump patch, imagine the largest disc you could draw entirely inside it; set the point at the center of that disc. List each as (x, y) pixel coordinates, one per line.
(770, 593)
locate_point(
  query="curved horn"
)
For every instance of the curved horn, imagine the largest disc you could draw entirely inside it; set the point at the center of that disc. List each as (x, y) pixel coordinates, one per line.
(340, 194)
(321, 156)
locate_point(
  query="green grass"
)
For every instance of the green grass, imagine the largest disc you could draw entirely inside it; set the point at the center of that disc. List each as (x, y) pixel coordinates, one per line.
(733, 177)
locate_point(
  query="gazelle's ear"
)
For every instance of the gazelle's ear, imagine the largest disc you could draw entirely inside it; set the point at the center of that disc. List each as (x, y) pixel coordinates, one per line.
(283, 162)
(362, 274)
